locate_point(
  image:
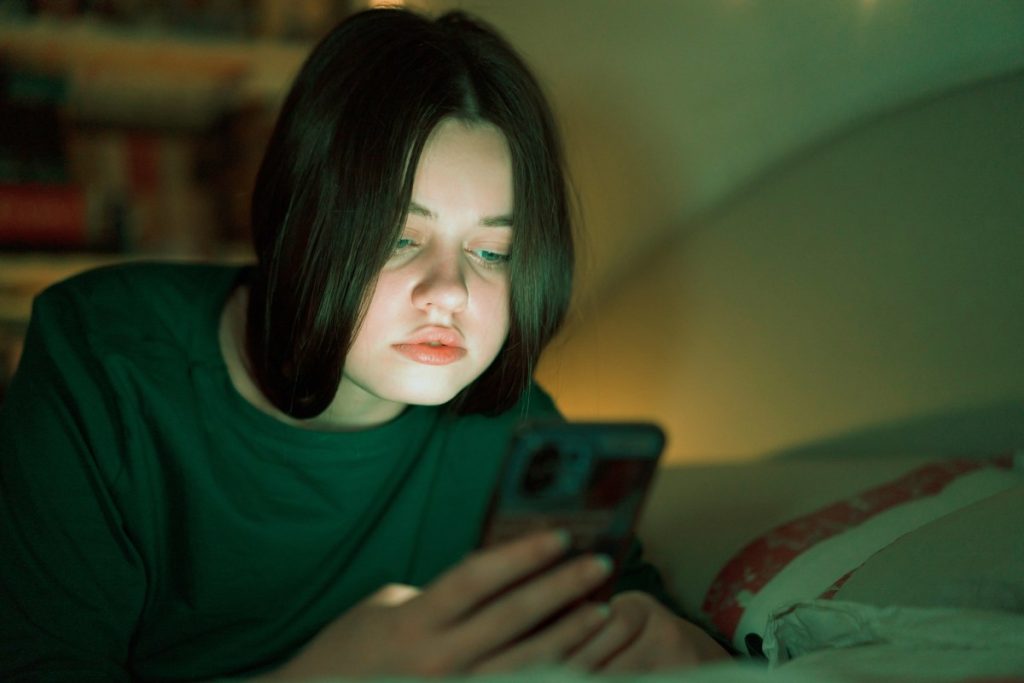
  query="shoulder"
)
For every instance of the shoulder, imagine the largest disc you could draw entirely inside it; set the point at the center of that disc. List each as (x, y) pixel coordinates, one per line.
(536, 402)
(144, 300)
(141, 285)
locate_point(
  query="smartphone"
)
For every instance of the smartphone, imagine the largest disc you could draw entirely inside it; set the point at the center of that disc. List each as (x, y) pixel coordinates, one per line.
(589, 478)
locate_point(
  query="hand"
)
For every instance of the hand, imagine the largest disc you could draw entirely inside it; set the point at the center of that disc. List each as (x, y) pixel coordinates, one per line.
(643, 635)
(470, 620)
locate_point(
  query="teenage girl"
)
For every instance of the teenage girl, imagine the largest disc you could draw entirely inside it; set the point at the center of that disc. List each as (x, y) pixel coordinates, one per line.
(280, 470)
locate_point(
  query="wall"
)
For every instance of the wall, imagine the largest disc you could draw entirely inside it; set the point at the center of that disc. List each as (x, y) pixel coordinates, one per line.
(867, 296)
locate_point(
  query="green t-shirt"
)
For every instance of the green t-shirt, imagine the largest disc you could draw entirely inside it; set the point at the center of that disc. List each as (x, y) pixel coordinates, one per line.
(155, 525)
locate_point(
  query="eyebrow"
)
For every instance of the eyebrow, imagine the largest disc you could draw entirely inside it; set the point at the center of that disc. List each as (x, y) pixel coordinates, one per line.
(504, 221)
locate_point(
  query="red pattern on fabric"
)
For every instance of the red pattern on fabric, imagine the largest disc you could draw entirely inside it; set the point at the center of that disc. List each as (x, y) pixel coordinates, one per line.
(761, 560)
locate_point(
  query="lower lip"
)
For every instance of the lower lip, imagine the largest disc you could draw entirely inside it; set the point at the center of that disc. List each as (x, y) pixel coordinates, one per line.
(431, 355)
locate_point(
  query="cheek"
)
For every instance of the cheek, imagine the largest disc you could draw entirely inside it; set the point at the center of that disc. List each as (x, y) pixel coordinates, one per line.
(379, 312)
(495, 306)
(386, 290)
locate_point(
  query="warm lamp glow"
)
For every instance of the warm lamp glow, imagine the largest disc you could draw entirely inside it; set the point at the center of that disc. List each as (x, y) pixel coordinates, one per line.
(394, 594)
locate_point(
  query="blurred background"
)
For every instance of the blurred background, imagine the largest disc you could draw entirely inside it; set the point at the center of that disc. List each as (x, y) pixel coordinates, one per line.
(802, 222)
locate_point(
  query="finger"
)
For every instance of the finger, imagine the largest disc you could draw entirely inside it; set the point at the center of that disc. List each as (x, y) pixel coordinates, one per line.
(486, 572)
(660, 648)
(500, 622)
(625, 626)
(667, 642)
(635, 658)
(551, 645)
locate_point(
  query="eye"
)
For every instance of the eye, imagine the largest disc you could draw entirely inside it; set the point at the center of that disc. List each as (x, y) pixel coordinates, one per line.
(491, 258)
(403, 244)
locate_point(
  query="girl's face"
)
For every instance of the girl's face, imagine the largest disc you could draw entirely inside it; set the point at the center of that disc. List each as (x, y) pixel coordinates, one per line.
(440, 311)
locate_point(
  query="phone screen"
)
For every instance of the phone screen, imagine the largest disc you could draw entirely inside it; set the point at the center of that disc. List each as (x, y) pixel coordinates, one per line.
(590, 479)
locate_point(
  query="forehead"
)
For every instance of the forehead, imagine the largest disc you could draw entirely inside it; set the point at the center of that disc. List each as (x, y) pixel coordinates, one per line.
(466, 167)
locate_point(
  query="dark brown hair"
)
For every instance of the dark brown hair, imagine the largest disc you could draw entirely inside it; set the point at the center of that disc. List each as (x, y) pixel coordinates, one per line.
(335, 183)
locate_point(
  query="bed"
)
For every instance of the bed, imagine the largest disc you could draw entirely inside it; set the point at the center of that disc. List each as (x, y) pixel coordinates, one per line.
(843, 570)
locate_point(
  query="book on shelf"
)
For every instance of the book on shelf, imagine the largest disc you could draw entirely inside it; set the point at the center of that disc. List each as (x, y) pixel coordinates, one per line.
(31, 125)
(62, 217)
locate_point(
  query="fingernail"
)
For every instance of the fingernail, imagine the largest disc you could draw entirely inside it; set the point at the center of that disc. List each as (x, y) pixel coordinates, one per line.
(601, 566)
(560, 540)
(597, 615)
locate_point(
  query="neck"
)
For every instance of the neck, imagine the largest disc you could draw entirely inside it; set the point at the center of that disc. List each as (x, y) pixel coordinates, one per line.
(350, 409)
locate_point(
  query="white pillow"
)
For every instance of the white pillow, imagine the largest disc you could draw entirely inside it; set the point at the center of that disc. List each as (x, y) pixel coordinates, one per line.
(973, 558)
(816, 555)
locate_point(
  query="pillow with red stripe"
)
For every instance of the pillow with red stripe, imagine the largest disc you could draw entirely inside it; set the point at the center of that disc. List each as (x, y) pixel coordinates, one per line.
(813, 555)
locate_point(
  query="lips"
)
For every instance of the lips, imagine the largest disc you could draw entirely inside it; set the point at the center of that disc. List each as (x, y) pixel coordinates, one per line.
(433, 346)
(444, 336)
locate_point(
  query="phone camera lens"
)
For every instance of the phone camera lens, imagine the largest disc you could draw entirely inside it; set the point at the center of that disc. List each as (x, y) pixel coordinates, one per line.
(542, 471)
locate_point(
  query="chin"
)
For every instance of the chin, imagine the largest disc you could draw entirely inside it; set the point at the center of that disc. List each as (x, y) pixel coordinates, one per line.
(427, 395)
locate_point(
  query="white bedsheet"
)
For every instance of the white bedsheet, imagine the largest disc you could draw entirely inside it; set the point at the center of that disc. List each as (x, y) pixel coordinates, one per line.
(868, 643)
(826, 641)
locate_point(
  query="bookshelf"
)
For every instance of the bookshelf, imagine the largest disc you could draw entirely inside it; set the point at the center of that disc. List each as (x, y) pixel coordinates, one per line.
(137, 138)
(161, 66)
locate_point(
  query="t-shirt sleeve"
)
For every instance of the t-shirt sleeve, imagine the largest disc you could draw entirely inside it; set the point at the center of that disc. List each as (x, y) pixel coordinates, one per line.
(72, 585)
(639, 575)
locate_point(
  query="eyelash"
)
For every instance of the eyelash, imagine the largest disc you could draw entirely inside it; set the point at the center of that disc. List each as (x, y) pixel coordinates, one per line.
(497, 260)
(399, 247)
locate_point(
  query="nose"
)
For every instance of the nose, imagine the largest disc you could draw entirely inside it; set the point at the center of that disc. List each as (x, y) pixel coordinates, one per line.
(442, 285)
